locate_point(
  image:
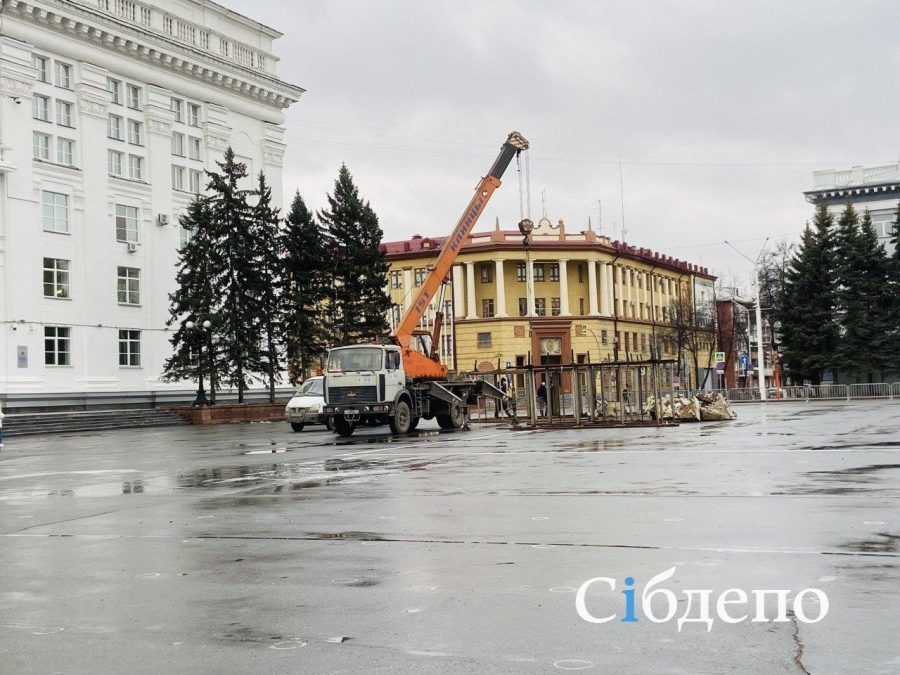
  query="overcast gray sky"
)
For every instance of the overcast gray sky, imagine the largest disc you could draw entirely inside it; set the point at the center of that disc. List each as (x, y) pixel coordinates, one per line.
(718, 111)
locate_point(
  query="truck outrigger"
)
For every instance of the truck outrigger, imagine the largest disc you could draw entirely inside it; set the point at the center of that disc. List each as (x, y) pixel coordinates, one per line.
(401, 379)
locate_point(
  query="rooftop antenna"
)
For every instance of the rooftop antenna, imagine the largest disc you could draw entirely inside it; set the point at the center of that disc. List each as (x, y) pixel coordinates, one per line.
(543, 203)
(622, 197)
(599, 217)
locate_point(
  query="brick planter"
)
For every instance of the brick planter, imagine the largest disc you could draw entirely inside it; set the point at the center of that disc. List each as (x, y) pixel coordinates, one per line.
(233, 414)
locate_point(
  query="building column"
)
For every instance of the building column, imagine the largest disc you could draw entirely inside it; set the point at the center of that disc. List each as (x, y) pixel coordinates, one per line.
(604, 289)
(563, 288)
(500, 288)
(407, 298)
(645, 300)
(529, 286)
(470, 291)
(459, 309)
(592, 287)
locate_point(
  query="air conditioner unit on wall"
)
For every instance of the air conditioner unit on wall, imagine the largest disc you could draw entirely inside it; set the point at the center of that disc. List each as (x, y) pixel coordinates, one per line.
(162, 219)
(132, 247)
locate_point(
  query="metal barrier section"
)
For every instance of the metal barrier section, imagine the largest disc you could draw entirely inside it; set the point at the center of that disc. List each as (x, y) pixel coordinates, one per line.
(877, 390)
(895, 390)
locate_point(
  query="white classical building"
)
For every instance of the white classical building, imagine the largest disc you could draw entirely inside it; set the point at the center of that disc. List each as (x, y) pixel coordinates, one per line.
(109, 112)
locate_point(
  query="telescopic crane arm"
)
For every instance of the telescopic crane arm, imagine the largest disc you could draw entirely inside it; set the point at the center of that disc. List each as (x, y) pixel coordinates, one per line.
(514, 144)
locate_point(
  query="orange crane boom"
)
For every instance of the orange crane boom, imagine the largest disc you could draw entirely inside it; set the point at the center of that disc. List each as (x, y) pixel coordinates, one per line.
(514, 144)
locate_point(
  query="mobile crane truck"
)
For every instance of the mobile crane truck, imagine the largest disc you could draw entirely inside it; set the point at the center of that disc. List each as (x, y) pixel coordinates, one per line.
(401, 378)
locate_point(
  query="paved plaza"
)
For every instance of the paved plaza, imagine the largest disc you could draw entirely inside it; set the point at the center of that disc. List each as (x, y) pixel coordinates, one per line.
(249, 548)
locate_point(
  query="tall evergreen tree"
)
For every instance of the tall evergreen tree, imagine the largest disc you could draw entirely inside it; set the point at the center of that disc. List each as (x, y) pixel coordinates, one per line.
(306, 279)
(359, 302)
(807, 315)
(236, 272)
(194, 300)
(267, 256)
(894, 287)
(846, 277)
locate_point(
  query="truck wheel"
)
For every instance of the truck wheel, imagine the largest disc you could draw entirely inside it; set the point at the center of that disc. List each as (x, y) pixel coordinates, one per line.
(296, 427)
(329, 423)
(401, 422)
(453, 420)
(343, 427)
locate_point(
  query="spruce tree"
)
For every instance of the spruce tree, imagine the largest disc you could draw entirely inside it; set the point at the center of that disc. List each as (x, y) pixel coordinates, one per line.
(808, 325)
(847, 268)
(359, 302)
(266, 239)
(894, 289)
(194, 300)
(236, 271)
(306, 279)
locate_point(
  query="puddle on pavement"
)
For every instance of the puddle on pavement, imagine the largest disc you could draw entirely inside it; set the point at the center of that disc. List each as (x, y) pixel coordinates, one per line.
(597, 445)
(882, 542)
(353, 535)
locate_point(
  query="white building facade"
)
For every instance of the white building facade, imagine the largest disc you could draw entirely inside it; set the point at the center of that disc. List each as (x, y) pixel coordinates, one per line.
(109, 113)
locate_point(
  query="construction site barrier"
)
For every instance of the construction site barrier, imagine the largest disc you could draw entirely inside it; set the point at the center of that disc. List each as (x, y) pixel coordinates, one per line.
(895, 390)
(876, 390)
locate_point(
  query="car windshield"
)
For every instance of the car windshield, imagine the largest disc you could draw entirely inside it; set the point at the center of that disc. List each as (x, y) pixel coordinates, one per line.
(312, 387)
(355, 359)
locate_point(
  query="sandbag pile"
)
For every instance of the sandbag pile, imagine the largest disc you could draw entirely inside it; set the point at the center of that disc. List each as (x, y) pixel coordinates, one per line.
(705, 407)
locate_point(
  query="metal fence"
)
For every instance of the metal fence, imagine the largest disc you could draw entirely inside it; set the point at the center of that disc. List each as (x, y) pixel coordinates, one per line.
(819, 392)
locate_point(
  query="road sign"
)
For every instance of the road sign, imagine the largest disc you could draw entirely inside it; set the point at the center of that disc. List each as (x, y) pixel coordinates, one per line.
(749, 368)
(720, 357)
(720, 368)
(745, 359)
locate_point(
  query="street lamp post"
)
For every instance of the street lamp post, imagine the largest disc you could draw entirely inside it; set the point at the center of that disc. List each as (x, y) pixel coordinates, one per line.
(201, 392)
(761, 366)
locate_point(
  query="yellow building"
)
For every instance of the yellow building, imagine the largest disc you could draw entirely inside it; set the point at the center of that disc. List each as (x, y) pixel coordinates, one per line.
(594, 299)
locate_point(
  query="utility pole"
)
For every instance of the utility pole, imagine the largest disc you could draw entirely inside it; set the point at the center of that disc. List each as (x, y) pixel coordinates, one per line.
(760, 354)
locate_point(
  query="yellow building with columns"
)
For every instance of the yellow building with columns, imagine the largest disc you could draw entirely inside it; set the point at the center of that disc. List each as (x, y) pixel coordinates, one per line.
(594, 299)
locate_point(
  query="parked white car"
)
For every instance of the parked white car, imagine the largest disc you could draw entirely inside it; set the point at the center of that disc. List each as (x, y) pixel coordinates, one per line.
(306, 405)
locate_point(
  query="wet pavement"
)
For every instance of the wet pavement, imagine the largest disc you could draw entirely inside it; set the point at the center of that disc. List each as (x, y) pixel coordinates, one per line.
(251, 548)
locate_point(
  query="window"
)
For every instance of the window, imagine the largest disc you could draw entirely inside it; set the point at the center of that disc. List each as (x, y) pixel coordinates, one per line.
(555, 306)
(523, 307)
(115, 163)
(42, 65)
(540, 306)
(134, 132)
(178, 144)
(135, 167)
(41, 146)
(193, 147)
(65, 151)
(177, 177)
(126, 223)
(193, 115)
(520, 271)
(580, 274)
(130, 348)
(40, 108)
(627, 346)
(178, 109)
(581, 304)
(64, 113)
(604, 337)
(395, 315)
(643, 342)
(55, 208)
(184, 235)
(539, 272)
(56, 278)
(63, 75)
(128, 286)
(419, 275)
(194, 177)
(133, 96)
(114, 87)
(487, 273)
(114, 128)
(56, 346)
(554, 271)
(484, 340)
(396, 279)
(487, 308)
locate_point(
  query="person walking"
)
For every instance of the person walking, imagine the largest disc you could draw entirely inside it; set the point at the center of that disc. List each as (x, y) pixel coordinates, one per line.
(542, 398)
(504, 402)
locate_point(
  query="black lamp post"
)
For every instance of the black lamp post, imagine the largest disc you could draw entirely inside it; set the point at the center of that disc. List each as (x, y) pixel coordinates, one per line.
(201, 392)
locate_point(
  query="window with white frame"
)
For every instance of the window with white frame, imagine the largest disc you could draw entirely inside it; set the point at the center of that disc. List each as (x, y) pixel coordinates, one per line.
(40, 108)
(193, 147)
(135, 167)
(56, 278)
(63, 75)
(539, 272)
(41, 64)
(114, 127)
(178, 109)
(178, 144)
(64, 113)
(133, 96)
(419, 275)
(555, 306)
(115, 163)
(193, 115)
(135, 132)
(57, 346)
(177, 177)
(194, 177)
(114, 87)
(55, 211)
(128, 285)
(184, 235)
(126, 223)
(396, 279)
(554, 271)
(65, 151)
(484, 340)
(130, 348)
(540, 306)
(520, 271)
(41, 146)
